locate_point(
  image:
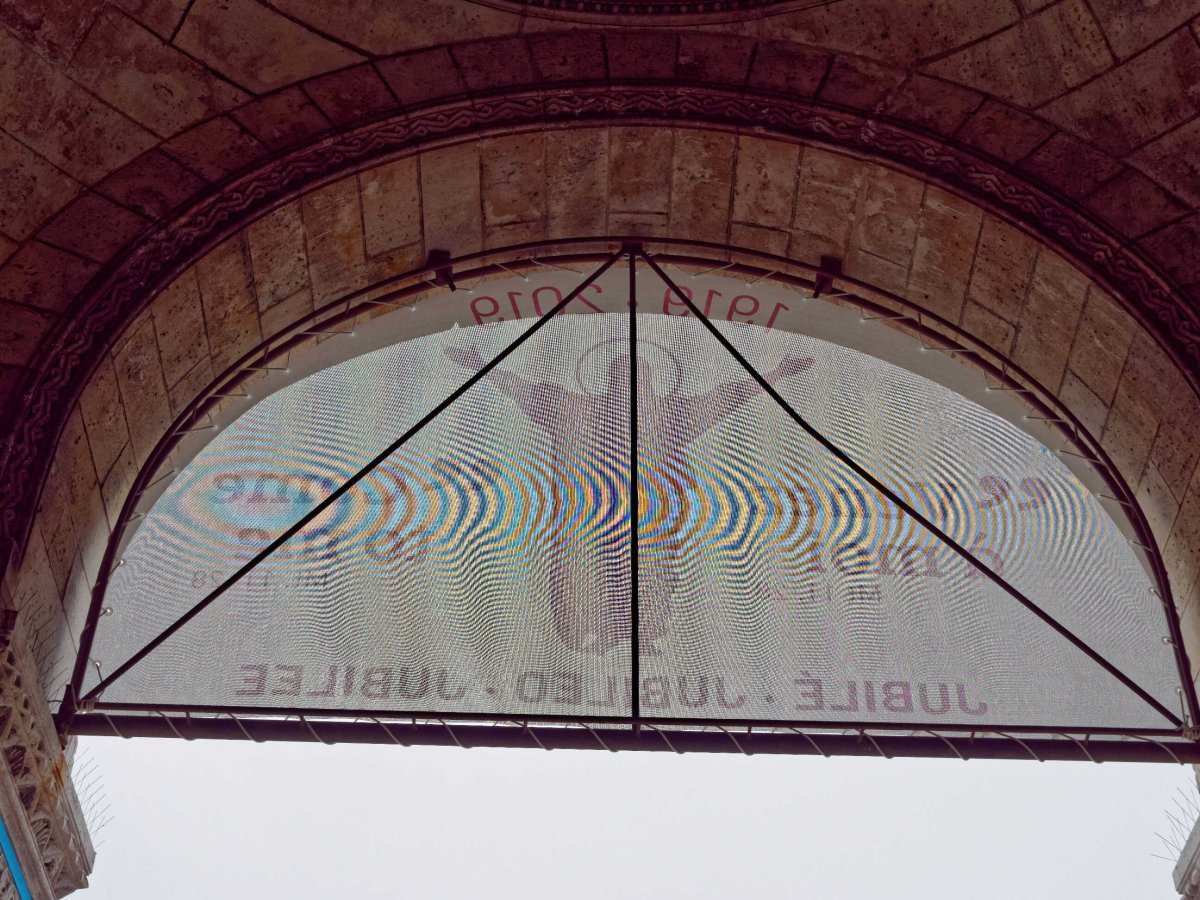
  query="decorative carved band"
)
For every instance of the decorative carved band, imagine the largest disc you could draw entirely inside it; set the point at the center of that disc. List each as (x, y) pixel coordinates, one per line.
(101, 314)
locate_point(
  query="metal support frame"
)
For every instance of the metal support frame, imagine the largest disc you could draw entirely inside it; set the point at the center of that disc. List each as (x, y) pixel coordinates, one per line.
(77, 715)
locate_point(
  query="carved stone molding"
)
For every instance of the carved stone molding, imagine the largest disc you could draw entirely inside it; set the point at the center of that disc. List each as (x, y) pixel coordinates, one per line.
(110, 302)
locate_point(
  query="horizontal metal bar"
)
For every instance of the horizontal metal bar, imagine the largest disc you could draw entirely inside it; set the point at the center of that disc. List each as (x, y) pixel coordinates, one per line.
(668, 721)
(658, 739)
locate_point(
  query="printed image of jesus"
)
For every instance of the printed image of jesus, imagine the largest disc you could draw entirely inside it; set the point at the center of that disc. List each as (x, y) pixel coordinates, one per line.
(584, 429)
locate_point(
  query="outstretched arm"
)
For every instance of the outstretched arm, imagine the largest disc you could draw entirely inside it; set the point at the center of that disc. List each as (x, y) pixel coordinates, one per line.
(540, 401)
(698, 414)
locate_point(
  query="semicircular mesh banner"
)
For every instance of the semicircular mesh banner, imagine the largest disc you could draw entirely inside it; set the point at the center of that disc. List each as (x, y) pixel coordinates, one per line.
(486, 567)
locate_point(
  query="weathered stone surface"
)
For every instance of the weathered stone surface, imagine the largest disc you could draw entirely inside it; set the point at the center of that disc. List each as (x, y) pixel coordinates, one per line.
(641, 54)
(450, 199)
(1173, 160)
(216, 149)
(351, 95)
(765, 182)
(1131, 25)
(1147, 95)
(860, 83)
(1101, 345)
(1003, 268)
(939, 106)
(139, 374)
(31, 189)
(151, 82)
(947, 232)
(178, 314)
(1049, 318)
(576, 182)
(1041, 57)
(886, 224)
(789, 69)
(1174, 248)
(512, 178)
(94, 227)
(1002, 131)
(1070, 166)
(639, 174)
(393, 26)
(46, 111)
(255, 47)
(227, 297)
(333, 233)
(985, 325)
(153, 185)
(567, 55)
(419, 78)
(391, 205)
(713, 58)
(21, 330)
(1133, 204)
(826, 198)
(43, 276)
(277, 255)
(160, 16)
(702, 185)
(283, 119)
(104, 418)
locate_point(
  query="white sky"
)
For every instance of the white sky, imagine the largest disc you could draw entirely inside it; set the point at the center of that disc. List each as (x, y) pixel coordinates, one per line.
(233, 820)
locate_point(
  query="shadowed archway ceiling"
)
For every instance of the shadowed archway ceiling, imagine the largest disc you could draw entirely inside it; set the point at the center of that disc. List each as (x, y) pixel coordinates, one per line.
(117, 118)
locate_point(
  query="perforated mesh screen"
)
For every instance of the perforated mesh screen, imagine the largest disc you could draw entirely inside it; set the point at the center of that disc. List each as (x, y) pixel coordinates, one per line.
(486, 566)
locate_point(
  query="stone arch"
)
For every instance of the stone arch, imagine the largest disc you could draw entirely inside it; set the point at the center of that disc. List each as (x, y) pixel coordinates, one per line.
(1025, 301)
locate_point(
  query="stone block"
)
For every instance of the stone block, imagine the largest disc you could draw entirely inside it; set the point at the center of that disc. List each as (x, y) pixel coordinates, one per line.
(1101, 345)
(254, 46)
(827, 193)
(227, 297)
(1003, 268)
(1132, 26)
(1158, 504)
(61, 121)
(277, 255)
(1070, 166)
(31, 189)
(391, 205)
(178, 314)
(1174, 248)
(639, 173)
(423, 76)
(641, 55)
(1049, 319)
(153, 185)
(713, 57)
(1038, 59)
(104, 417)
(512, 179)
(93, 226)
(702, 185)
(765, 176)
(861, 83)
(932, 104)
(789, 69)
(351, 95)
(21, 331)
(1005, 133)
(151, 82)
(1133, 205)
(216, 149)
(576, 182)
(450, 198)
(1138, 100)
(888, 210)
(1173, 161)
(43, 276)
(563, 56)
(143, 391)
(281, 120)
(947, 231)
(491, 65)
(333, 230)
(984, 325)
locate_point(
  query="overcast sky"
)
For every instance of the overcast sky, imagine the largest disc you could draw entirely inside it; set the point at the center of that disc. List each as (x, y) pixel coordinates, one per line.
(233, 820)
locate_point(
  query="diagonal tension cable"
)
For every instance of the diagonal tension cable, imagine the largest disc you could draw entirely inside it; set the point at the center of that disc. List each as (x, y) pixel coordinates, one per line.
(907, 508)
(349, 484)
